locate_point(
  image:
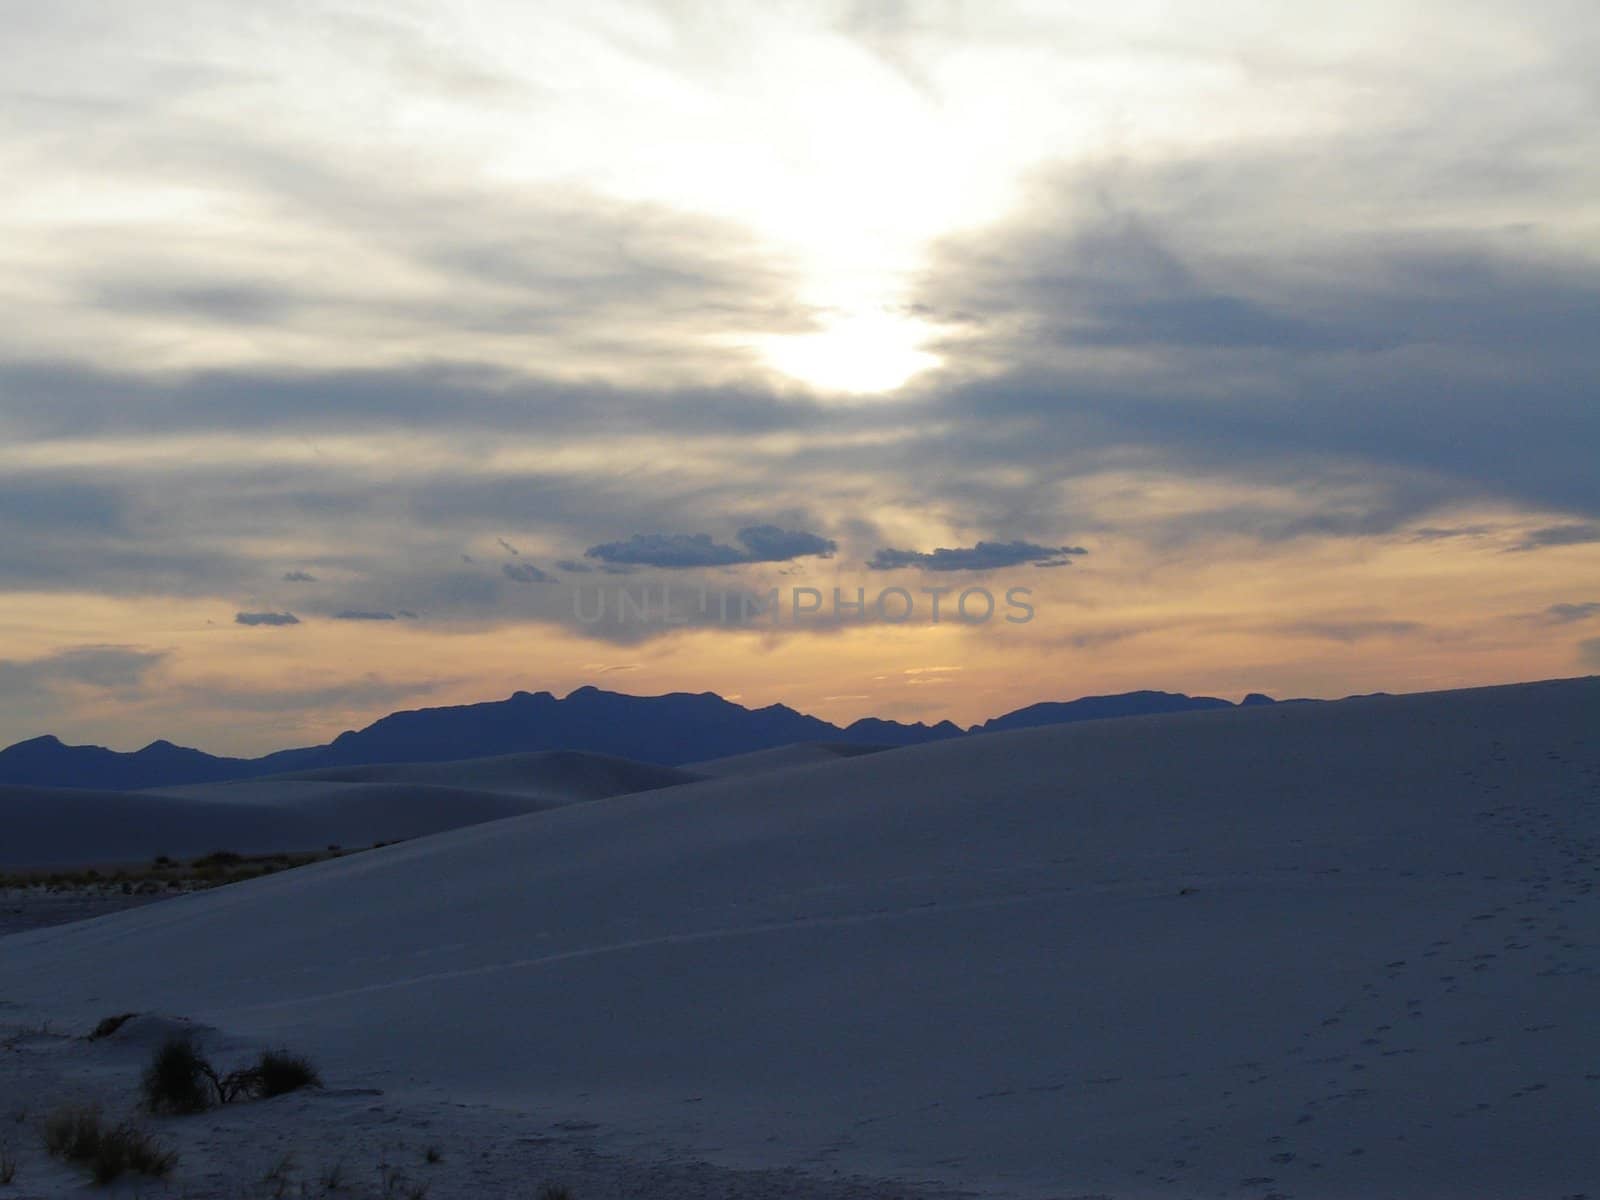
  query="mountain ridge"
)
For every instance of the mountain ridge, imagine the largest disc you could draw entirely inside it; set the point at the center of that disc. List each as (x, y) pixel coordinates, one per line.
(668, 730)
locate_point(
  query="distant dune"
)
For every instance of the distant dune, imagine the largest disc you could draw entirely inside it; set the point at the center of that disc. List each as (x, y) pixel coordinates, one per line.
(560, 776)
(1334, 950)
(801, 754)
(348, 806)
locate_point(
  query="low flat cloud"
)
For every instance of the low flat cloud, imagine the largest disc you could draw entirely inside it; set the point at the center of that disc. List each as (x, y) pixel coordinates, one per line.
(357, 614)
(1567, 613)
(111, 668)
(265, 618)
(522, 572)
(682, 551)
(1579, 534)
(299, 577)
(984, 556)
(1352, 631)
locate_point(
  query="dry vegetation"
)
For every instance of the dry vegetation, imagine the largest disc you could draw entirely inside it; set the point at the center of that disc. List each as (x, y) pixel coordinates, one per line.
(165, 874)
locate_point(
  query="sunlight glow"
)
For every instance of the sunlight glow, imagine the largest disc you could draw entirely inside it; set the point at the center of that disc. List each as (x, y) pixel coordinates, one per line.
(858, 354)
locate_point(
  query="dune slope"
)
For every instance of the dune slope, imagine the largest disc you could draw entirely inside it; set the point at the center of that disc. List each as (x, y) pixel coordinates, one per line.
(1331, 950)
(349, 806)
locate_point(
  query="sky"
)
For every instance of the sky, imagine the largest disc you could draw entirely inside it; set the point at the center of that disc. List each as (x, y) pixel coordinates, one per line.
(360, 356)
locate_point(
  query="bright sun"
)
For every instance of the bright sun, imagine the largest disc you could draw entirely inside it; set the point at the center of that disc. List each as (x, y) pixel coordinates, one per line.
(858, 354)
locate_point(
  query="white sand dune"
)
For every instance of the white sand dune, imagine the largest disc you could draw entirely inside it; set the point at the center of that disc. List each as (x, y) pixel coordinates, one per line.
(1339, 950)
(780, 758)
(61, 827)
(351, 806)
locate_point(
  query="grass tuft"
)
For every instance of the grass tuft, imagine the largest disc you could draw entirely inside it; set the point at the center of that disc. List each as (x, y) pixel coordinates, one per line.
(179, 1079)
(108, 1152)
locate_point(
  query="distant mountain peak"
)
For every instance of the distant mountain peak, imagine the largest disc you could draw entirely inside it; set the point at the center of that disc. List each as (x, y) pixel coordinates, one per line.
(668, 730)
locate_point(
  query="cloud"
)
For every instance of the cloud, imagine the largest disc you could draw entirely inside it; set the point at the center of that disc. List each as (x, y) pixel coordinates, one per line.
(1351, 631)
(108, 668)
(299, 577)
(521, 572)
(1180, 313)
(1433, 533)
(768, 543)
(1561, 535)
(985, 556)
(674, 551)
(265, 618)
(355, 614)
(1589, 653)
(671, 550)
(1567, 613)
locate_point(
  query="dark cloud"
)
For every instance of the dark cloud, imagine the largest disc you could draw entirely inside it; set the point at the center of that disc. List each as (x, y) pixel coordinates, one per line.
(520, 572)
(1440, 534)
(64, 399)
(299, 577)
(674, 551)
(768, 543)
(1589, 653)
(1567, 613)
(265, 618)
(1561, 535)
(219, 302)
(1180, 316)
(1350, 631)
(985, 556)
(110, 668)
(356, 614)
(671, 550)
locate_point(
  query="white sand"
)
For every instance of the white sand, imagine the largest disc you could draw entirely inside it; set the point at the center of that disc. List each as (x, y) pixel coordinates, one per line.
(1343, 950)
(351, 807)
(801, 754)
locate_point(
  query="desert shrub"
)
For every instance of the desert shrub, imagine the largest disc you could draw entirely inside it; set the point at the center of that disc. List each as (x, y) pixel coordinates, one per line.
(109, 1025)
(182, 1080)
(555, 1191)
(432, 1155)
(282, 1072)
(179, 1079)
(80, 1137)
(275, 1073)
(8, 1167)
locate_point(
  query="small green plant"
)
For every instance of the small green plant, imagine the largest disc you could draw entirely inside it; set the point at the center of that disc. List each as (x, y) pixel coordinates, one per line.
(80, 1137)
